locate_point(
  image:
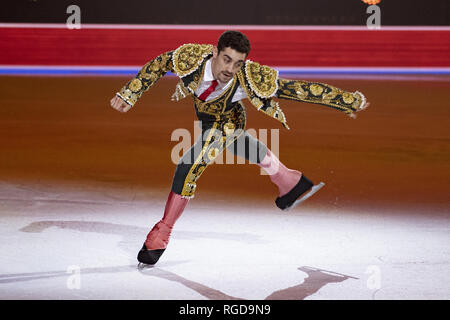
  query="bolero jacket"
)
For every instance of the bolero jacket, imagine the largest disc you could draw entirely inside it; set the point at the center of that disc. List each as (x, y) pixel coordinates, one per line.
(261, 83)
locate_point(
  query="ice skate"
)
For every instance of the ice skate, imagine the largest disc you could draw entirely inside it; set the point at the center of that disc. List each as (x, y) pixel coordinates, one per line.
(149, 257)
(293, 186)
(158, 238)
(302, 191)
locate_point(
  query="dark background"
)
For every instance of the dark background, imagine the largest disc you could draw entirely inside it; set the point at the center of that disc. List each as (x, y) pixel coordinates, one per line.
(280, 12)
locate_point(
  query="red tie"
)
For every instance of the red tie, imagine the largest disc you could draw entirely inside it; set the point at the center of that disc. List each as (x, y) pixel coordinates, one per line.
(208, 91)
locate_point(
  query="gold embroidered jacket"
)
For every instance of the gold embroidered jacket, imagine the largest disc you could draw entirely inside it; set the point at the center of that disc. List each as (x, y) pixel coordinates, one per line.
(261, 83)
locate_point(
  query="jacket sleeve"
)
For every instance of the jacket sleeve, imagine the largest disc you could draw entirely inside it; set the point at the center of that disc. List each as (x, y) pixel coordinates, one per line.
(151, 72)
(320, 93)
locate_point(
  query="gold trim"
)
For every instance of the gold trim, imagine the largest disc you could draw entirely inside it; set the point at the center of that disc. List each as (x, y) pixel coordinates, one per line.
(228, 93)
(211, 107)
(189, 185)
(273, 111)
(262, 79)
(321, 93)
(220, 130)
(181, 92)
(146, 77)
(188, 57)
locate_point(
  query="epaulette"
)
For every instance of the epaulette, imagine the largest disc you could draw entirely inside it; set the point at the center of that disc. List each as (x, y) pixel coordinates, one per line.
(188, 57)
(262, 79)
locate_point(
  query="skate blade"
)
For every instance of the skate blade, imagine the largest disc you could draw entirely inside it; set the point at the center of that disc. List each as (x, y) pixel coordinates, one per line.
(143, 266)
(313, 190)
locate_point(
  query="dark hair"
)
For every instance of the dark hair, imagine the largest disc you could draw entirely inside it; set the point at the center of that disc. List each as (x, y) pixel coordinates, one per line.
(235, 40)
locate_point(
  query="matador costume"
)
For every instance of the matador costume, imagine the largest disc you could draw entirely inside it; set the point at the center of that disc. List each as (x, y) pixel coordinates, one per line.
(223, 121)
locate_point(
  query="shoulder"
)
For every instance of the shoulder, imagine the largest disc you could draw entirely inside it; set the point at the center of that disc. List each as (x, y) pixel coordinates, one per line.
(261, 79)
(188, 57)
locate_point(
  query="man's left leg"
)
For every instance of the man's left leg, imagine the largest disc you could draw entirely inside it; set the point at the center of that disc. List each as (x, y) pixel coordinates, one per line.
(292, 185)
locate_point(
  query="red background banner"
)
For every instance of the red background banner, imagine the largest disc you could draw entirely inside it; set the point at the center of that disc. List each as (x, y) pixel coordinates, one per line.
(305, 47)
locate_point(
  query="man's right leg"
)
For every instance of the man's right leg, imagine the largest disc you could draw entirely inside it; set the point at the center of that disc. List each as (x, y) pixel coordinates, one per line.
(188, 170)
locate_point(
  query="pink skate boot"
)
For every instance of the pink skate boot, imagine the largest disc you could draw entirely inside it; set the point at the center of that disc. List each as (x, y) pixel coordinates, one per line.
(158, 238)
(293, 186)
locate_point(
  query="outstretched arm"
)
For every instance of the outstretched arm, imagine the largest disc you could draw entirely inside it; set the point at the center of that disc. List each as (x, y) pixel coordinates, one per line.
(146, 77)
(320, 93)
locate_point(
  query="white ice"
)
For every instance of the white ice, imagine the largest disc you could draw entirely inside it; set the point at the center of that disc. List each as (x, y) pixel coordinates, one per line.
(81, 242)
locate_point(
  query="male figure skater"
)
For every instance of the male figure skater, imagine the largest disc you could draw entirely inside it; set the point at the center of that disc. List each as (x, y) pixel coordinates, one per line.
(218, 78)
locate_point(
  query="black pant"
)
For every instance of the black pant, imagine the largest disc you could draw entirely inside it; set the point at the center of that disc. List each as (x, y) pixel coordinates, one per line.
(226, 130)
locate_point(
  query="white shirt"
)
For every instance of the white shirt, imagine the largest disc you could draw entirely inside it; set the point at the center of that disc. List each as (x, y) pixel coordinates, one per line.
(221, 87)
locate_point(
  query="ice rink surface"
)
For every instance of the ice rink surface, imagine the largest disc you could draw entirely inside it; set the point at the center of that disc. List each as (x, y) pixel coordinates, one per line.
(81, 241)
(81, 185)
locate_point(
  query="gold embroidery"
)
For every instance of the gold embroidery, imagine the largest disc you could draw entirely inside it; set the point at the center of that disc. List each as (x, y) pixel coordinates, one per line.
(213, 153)
(197, 167)
(216, 105)
(327, 97)
(321, 93)
(316, 89)
(229, 128)
(154, 66)
(256, 102)
(214, 144)
(126, 95)
(187, 58)
(135, 85)
(262, 79)
(299, 90)
(207, 107)
(197, 79)
(146, 77)
(348, 98)
(268, 106)
(234, 122)
(181, 92)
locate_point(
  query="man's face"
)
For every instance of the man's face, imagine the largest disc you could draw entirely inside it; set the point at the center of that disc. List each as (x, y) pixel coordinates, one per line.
(226, 63)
